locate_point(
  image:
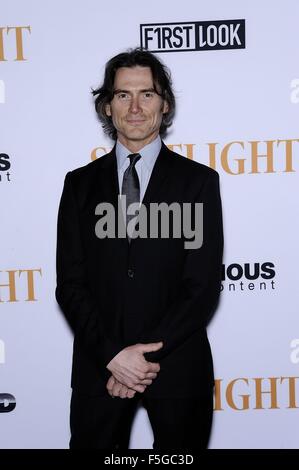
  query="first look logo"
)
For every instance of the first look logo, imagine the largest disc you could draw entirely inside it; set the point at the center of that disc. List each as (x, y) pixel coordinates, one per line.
(193, 36)
(162, 220)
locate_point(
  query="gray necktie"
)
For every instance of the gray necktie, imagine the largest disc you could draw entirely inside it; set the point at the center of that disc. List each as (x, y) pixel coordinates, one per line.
(130, 185)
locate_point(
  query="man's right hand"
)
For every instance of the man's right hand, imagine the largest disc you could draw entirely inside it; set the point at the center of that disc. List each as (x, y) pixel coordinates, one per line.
(130, 368)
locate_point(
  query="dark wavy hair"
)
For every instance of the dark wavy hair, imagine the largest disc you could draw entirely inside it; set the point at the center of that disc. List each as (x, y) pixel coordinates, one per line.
(161, 78)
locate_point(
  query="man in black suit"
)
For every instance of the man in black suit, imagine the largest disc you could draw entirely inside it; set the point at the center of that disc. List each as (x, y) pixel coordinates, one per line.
(139, 305)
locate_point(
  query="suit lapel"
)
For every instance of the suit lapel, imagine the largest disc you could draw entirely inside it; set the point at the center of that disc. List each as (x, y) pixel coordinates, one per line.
(160, 173)
(107, 177)
(107, 188)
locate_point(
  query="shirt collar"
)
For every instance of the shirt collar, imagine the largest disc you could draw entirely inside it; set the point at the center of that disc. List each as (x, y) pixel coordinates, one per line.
(149, 153)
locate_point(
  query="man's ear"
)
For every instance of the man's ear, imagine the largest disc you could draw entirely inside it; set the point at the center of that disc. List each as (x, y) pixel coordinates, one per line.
(108, 109)
(165, 107)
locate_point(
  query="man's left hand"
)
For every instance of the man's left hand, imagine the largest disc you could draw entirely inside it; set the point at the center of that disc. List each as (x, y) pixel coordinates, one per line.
(116, 389)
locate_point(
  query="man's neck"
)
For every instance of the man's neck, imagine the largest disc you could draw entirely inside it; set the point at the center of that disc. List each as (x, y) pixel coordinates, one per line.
(135, 146)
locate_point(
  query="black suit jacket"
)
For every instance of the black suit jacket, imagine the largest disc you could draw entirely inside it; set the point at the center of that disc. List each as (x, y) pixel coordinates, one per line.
(115, 294)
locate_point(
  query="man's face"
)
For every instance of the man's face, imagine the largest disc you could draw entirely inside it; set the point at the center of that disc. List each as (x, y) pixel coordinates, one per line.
(136, 109)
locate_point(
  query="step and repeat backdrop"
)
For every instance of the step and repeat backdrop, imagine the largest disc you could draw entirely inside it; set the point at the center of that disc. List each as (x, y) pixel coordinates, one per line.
(235, 71)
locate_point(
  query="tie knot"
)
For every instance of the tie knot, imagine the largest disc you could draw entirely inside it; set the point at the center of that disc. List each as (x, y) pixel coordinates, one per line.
(134, 157)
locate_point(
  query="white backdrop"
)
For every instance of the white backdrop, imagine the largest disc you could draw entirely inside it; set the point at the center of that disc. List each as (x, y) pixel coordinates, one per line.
(233, 105)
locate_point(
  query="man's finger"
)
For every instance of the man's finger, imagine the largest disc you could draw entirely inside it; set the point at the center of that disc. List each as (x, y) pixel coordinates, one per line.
(116, 389)
(153, 367)
(139, 388)
(110, 384)
(145, 382)
(151, 347)
(151, 375)
(123, 391)
(130, 393)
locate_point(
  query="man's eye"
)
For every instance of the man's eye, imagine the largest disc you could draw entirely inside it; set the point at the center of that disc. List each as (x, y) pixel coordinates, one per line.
(123, 96)
(148, 94)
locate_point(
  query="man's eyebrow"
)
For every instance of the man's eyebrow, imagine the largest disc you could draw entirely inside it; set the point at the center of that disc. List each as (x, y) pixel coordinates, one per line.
(152, 90)
(119, 90)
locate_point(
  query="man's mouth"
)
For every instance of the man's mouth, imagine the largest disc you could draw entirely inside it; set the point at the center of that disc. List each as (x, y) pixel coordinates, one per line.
(135, 121)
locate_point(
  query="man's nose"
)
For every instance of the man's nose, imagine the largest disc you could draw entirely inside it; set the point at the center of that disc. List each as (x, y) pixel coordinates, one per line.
(135, 104)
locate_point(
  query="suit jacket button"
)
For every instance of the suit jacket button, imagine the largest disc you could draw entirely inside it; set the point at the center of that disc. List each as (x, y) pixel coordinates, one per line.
(130, 273)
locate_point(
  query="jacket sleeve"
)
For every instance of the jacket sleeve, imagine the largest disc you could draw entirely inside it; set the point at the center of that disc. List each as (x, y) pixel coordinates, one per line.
(72, 291)
(200, 283)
